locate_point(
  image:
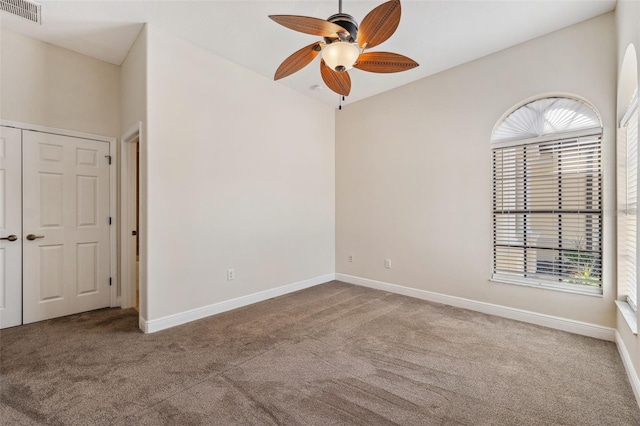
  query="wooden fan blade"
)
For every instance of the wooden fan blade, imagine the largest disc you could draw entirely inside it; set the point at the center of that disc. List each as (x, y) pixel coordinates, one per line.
(379, 24)
(339, 82)
(298, 60)
(384, 62)
(309, 25)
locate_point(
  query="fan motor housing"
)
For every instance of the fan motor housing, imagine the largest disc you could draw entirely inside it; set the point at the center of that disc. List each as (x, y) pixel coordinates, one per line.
(348, 23)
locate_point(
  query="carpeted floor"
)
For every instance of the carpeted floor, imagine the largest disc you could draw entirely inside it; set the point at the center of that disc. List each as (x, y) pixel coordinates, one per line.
(331, 354)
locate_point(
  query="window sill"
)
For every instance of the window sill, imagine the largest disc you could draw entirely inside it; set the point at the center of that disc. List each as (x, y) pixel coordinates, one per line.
(547, 287)
(629, 315)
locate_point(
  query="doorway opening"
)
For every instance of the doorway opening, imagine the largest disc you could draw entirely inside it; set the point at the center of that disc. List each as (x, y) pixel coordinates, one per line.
(135, 232)
(130, 219)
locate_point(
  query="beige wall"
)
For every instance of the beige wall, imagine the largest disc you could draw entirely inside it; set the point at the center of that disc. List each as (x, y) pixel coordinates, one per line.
(413, 171)
(628, 31)
(240, 175)
(133, 110)
(50, 86)
(133, 84)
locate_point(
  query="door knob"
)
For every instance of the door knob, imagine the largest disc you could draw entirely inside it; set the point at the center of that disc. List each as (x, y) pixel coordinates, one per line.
(32, 237)
(10, 238)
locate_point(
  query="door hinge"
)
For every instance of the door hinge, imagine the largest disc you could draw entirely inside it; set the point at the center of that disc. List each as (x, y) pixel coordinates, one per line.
(109, 220)
(109, 280)
(108, 157)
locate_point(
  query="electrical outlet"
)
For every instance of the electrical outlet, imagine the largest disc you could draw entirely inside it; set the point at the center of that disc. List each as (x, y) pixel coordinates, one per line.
(387, 263)
(350, 258)
(231, 274)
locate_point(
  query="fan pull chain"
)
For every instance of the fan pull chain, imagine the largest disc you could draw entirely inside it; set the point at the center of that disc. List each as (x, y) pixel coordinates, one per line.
(340, 103)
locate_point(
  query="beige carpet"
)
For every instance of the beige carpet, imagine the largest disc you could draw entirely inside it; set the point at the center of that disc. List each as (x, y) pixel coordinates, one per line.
(332, 354)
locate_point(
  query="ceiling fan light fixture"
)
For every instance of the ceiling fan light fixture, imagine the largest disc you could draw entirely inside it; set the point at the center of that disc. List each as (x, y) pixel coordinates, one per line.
(344, 44)
(340, 55)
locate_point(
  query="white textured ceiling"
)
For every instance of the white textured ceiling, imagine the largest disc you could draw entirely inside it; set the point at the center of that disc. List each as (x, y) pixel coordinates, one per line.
(437, 34)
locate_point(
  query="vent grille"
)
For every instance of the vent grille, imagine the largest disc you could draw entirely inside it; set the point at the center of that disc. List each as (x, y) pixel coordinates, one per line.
(25, 9)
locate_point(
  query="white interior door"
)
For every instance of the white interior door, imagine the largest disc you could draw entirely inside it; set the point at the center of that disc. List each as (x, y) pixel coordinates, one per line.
(10, 227)
(66, 225)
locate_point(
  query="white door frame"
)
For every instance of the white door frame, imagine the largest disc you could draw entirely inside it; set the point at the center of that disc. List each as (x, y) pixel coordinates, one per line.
(115, 299)
(128, 202)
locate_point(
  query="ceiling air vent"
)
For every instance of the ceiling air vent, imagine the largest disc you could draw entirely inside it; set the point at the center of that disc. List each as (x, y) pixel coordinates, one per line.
(25, 9)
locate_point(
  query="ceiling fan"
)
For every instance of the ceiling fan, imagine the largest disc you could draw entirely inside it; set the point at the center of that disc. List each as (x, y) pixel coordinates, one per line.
(344, 45)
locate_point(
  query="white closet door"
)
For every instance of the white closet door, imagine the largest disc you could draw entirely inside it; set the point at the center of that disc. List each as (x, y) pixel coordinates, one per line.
(10, 227)
(66, 225)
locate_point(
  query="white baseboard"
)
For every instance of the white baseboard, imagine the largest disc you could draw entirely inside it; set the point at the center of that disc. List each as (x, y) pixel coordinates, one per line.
(628, 365)
(558, 323)
(142, 324)
(154, 325)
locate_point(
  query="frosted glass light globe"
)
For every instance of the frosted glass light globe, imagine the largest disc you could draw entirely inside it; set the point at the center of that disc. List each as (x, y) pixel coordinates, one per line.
(340, 55)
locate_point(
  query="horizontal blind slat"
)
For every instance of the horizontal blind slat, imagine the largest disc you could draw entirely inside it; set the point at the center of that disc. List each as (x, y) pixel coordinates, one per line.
(629, 246)
(547, 211)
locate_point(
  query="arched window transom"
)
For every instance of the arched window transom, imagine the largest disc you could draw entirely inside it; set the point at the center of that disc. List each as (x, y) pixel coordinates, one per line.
(546, 117)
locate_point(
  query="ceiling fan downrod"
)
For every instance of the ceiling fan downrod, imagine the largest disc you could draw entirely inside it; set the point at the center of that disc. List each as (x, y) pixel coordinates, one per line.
(345, 21)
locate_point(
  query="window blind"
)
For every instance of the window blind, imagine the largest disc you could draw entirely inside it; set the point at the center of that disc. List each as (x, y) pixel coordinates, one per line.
(628, 218)
(547, 212)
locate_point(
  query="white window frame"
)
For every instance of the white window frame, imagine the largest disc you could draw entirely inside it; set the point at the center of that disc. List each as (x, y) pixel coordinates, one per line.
(505, 141)
(628, 265)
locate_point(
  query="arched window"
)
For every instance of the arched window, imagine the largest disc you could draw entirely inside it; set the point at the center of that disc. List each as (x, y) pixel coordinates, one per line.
(547, 196)
(549, 116)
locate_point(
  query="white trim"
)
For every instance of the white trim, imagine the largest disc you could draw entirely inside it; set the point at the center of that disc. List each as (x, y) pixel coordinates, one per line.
(594, 131)
(132, 133)
(548, 285)
(56, 131)
(113, 213)
(628, 365)
(558, 323)
(633, 107)
(151, 326)
(127, 205)
(142, 324)
(629, 315)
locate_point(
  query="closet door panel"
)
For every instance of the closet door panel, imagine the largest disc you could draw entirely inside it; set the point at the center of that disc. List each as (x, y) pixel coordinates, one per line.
(66, 223)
